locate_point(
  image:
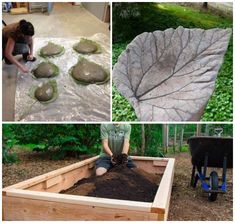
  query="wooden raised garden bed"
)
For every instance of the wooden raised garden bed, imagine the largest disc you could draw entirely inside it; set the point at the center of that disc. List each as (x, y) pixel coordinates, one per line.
(39, 198)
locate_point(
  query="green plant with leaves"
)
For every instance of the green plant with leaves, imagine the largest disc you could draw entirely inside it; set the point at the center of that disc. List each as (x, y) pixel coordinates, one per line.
(122, 111)
(61, 139)
(8, 142)
(8, 156)
(153, 140)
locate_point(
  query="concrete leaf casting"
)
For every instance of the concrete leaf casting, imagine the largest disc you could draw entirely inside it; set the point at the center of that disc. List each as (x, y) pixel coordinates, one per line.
(51, 50)
(86, 46)
(45, 92)
(87, 72)
(45, 69)
(170, 75)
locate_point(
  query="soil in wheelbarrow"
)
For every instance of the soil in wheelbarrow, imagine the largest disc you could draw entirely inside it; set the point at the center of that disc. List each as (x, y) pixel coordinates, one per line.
(119, 183)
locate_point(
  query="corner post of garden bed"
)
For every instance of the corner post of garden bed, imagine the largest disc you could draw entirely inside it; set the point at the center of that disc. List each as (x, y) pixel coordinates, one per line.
(161, 201)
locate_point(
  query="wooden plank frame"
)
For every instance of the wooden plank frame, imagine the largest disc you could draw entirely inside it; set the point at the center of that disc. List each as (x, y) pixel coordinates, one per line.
(38, 198)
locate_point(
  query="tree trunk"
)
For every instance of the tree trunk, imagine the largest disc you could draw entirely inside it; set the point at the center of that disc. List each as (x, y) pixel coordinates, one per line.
(199, 130)
(143, 139)
(181, 138)
(207, 130)
(175, 137)
(165, 137)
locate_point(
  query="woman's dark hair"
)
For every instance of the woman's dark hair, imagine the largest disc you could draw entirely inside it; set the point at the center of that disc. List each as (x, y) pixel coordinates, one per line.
(26, 28)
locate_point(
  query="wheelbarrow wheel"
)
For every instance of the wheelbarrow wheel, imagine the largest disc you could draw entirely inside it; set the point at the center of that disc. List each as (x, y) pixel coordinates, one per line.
(214, 185)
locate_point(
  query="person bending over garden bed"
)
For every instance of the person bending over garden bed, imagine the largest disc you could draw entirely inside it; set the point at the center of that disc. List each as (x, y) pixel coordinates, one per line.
(115, 147)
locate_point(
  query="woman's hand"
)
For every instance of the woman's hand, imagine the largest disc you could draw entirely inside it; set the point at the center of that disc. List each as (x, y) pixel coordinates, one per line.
(30, 57)
(24, 69)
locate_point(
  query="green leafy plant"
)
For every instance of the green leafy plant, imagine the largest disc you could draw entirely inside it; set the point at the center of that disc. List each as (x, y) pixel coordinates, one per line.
(153, 140)
(154, 152)
(59, 140)
(8, 142)
(8, 156)
(184, 149)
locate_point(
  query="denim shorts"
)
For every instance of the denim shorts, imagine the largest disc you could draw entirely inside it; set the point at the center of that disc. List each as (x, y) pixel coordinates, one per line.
(105, 162)
(20, 48)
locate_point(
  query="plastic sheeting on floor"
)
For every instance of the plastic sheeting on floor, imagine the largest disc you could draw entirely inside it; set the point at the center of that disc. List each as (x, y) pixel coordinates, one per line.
(75, 102)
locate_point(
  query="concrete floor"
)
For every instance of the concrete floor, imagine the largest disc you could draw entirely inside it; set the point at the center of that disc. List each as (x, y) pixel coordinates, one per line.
(64, 21)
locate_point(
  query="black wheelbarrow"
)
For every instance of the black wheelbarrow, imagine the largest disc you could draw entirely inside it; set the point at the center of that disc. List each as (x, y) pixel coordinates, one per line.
(214, 152)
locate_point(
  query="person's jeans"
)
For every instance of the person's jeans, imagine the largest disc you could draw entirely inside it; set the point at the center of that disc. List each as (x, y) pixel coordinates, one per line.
(105, 162)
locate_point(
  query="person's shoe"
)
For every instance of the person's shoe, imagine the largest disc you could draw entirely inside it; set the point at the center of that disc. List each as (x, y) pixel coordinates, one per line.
(34, 59)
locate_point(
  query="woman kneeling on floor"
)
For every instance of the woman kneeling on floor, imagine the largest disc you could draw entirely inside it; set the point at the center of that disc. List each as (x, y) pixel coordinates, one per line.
(17, 39)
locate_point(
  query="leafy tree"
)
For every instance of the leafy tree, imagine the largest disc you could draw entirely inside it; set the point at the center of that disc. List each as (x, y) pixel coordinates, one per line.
(153, 140)
(63, 139)
(76, 139)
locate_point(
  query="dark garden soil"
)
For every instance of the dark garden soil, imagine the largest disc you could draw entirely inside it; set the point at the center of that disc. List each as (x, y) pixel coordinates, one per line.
(186, 203)
(119, 183)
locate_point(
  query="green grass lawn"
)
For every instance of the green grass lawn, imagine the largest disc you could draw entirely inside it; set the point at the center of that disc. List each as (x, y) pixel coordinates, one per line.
(160, 17)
